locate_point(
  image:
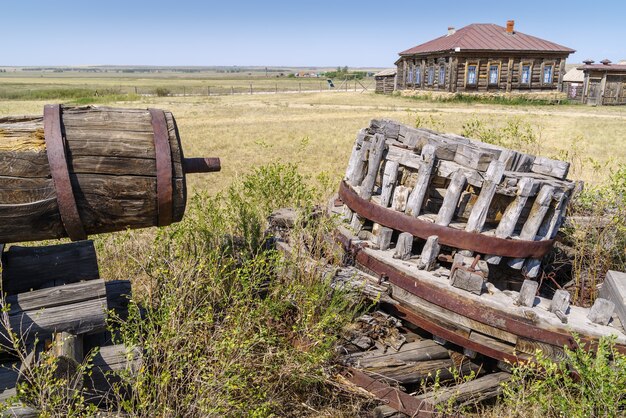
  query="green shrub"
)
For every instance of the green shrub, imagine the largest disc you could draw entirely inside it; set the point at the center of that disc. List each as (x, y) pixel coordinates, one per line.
(162, 91)
(584, 384)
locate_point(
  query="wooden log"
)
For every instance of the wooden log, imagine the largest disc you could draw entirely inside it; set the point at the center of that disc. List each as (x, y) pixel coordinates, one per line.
(376, 152)
(560, 304)
(357, 223)
(390, 176)
(475, 157)
(451, 198)
(467, 280)
(479, 210)
(601, 311)
(511, 215)
(528, 293)
(409, 353)
(67, 349)
(534, 220)
(28, 268)
(416, 198)
(428, 258)
(78, 308)
(356, 165)
(111, 158)
(404, 246)
(614, 289)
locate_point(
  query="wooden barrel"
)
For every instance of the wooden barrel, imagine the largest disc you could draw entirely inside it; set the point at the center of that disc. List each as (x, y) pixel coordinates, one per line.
(476, 197)
(86, 170)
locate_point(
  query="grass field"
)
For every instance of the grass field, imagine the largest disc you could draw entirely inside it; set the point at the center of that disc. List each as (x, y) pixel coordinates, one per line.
(316, 130)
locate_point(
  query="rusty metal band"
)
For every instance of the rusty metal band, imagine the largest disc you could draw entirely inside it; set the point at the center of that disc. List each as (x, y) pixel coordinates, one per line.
(394, 397)
(163, 167)
(57, 159)
(447, 236)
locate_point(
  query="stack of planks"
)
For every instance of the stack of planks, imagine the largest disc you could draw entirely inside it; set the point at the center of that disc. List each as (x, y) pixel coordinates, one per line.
(461, 184)
(55, 300)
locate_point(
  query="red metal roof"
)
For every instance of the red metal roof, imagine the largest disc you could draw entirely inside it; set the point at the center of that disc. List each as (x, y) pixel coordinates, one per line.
(487, 36)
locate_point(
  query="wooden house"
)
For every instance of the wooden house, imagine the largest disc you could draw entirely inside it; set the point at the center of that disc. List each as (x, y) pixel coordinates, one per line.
(604, 83)
(385, 81)
(483, 58)
(573, 82)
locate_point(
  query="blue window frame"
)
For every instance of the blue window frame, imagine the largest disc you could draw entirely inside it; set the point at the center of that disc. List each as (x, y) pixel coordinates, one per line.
(547, 74)
(409, 76)
(470, 78)
(442, 75)
(494, 75)
(431, 75)
(418, 75)
(525, 74)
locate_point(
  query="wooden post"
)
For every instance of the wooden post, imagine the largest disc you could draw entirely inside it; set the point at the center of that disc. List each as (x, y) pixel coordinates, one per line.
(451, 199)
(614, 289)
(400, 197)
(601, 311)
(478, 215)
(299, 87)
(375, 157)
(384, 237)
(511, 215)
(560, 304)
(535, 218)
(416, 198)
(428, 258)
(250, 88)
(527, 293)
(208, 91)
(390, 176)
(404, 246)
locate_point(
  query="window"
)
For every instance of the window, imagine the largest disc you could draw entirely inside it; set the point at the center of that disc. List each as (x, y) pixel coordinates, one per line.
(494, 75)
(547, 74)
(409, 76)
(525, 79)
(470, 77)
(442, 75)
(431, 75)
(418, 75)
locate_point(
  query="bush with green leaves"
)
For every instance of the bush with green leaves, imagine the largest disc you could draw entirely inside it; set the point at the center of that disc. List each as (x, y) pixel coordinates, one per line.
(584, 384)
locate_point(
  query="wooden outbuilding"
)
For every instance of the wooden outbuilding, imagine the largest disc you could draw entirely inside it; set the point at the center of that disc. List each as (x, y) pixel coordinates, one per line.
(573, 81)
(483, 58)
(385, 81)
(604, 83)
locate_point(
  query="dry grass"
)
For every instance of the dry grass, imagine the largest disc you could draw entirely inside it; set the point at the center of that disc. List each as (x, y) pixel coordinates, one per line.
(316, 130)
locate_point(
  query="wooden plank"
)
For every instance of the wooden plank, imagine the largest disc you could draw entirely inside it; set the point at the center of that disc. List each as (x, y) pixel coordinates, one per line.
(601, 311)
(356, 165)
(26, 268)
(428, 258)
(390, 176)
(376, 152)
(400, 198)
(467, 393)
(511, 215)
(560, 304)
(535, 218)
(416, 198)
(451, 198)
(479, 210)
(474, 157)
(549, 167)
(528, 293)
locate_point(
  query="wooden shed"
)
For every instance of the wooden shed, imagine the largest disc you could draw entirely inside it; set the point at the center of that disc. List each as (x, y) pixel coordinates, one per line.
(483, 58)
(385, 81)
(604, 83)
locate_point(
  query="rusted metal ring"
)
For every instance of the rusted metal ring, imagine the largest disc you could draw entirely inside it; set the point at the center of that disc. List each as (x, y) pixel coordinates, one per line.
(57, 159)
(163, 167)
(447, 236)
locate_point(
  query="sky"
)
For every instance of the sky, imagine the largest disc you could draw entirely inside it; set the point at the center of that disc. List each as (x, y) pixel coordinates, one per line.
(282, 33)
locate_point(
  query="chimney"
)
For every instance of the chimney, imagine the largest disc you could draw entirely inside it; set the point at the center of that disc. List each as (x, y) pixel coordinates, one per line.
(606, 61)
(588, 61)
(451, 30)
(510, 24)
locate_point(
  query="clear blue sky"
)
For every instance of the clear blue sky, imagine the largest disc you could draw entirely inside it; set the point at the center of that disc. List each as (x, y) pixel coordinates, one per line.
(282, 33)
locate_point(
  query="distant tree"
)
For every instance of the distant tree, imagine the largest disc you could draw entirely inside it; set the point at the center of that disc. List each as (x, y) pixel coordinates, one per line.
(345, 69)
